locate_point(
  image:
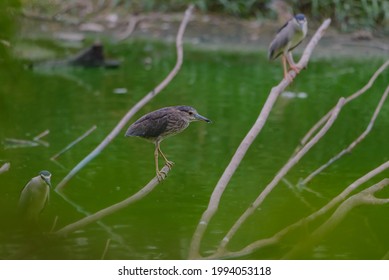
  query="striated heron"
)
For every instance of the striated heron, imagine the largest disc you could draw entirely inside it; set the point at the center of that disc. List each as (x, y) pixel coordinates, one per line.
(35, 195)
(162, 123)
(288, 37)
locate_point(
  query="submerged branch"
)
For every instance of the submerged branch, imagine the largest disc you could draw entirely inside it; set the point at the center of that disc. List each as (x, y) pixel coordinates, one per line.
(325, 209)
(364, 197)
(194, 251)
(136, 107)
(114, 236)
(354, 143)
(113, 208)
(68, 147)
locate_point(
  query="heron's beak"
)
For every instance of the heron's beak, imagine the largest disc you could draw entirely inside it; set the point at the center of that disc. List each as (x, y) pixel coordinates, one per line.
(201, 118)
(47, 180)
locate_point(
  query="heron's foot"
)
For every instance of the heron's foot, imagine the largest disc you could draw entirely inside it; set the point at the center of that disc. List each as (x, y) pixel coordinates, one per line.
(161, 175)
(295, 68)
(169, 164)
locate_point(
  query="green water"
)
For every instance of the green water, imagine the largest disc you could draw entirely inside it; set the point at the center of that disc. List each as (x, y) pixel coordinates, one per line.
(229, 88)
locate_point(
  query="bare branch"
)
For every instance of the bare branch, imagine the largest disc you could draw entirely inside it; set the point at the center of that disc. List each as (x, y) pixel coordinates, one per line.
(137, 106)
(354, 143)
(364, 197)
(292, 162)
(350, 98)
(114, 236)
(68, 147)
(113, 208)
(246, 143)
(133, 20)
(330, 205)
(40, 135)
(105, 249)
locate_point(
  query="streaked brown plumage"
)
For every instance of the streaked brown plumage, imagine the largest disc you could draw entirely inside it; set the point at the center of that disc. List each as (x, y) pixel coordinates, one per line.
(162, 123)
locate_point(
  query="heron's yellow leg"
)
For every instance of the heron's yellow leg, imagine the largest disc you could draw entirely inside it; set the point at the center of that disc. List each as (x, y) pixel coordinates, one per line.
(168, 162)
(160, 177)
(286, 74)
(291, 63)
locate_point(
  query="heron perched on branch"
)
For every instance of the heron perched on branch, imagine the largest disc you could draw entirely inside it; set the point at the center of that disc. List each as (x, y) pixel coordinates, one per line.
(162, 123)
(35, 195)
(288, 37)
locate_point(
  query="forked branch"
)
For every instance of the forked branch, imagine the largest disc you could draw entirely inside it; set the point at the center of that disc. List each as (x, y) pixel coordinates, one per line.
(246, 143)
(354, 143)
(350, 98)
(113, 208)
(322, 211)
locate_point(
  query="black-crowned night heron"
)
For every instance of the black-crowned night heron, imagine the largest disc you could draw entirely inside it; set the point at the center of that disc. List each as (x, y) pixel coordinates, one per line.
(35, 195)
(288, 37)
(162, 123)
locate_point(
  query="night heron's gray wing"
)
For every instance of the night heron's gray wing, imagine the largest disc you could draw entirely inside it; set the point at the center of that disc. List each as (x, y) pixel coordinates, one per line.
(281, 40)
(33, 198)
(150, 125)
(25, 198)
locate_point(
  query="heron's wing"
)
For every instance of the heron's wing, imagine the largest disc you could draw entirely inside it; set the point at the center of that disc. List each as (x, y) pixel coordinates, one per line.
(27, 200)
(150, 125)
(47, 198)
(280, 41)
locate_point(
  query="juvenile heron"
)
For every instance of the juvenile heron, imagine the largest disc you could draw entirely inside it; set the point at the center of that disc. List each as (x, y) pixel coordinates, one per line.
(162, 123)
(288, 37)
(35, 195)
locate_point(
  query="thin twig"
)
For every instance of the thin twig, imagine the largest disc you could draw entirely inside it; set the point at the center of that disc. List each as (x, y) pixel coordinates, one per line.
(353, 144)
(38, 140)
(68, 147)
(137, 106)
(350, 98)
(40, 135)
(330, 205)
(194, 251)
(113, 208)
(54, 224)
(133, 20)
(106, 249)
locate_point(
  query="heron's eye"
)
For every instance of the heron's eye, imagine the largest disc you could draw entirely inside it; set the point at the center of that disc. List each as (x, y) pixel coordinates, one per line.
(190, 113)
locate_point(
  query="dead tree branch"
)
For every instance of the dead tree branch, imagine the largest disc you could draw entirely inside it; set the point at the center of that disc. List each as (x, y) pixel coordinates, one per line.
(113, 208)
(246, 143)
(325, 209)
(350, 98)
(114, 236)
(292, 162)
(136, 107)
(68, 147)
(364, 197)
(133, 20)
(354, 143)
